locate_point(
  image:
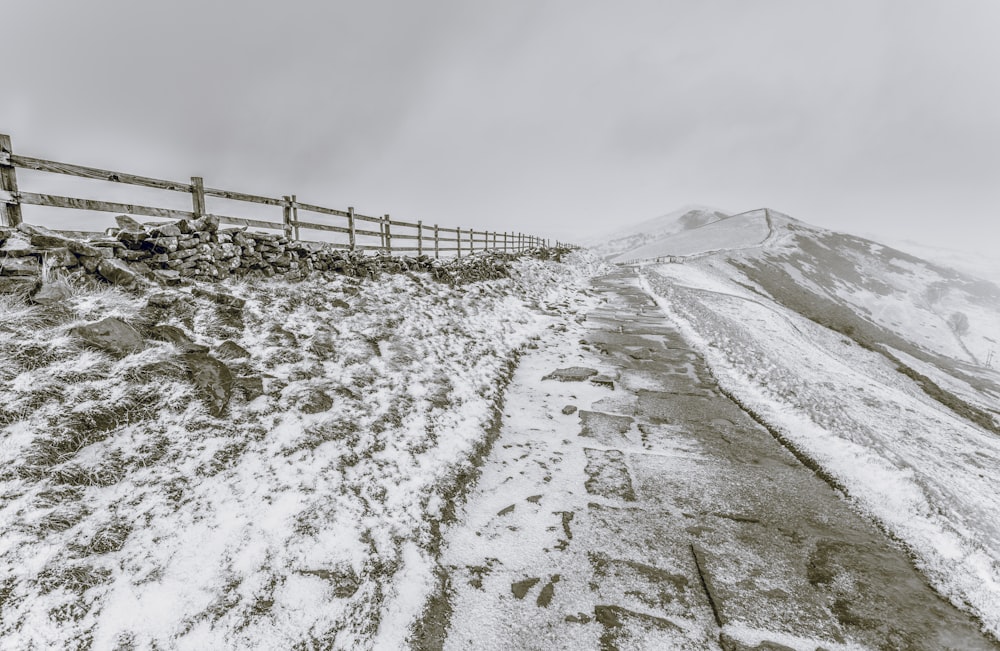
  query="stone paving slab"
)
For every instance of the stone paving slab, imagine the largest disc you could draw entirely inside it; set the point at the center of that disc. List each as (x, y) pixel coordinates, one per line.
(659, 515)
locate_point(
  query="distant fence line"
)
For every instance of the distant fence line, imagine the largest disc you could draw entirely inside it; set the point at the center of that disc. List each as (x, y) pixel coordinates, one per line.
(418, 237)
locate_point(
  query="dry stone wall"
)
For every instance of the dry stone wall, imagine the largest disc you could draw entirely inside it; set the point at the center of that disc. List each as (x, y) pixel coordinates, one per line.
(199, 250)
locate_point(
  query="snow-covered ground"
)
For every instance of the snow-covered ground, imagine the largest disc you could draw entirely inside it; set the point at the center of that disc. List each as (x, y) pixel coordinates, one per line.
(735, 232)
(874, 387)
(303, 518)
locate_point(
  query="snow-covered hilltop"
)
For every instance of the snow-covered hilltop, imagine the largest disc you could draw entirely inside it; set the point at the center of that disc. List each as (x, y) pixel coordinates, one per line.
(871, 363)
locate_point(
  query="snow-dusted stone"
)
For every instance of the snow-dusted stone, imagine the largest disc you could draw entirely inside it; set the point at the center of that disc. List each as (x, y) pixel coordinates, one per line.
(20, 266)
(281, 337)
(43, 237)
(51, 293)
(315, 401)
(166, 276)
(166, 230)
(60, 257)
(603, 380)
(571, 374)
(177, 337)
(229, 349)
(18, 284)
(111, 335)
(218, 297)
(569, 410)
(126, 223)
(213, 379)
(251, 386)
(117, 272)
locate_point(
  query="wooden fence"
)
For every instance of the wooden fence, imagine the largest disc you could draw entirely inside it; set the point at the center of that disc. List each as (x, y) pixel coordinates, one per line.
(393, 236)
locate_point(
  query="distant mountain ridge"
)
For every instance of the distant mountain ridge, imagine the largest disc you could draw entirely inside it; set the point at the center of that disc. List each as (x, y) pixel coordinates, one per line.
(632, 237)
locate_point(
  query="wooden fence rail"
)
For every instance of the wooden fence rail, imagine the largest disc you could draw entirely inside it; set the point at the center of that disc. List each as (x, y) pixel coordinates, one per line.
(418, 237)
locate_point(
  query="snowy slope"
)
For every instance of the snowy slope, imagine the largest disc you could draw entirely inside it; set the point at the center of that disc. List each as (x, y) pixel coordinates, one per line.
(649, 231)
(305, 517)
(851, 352)
(736, 232)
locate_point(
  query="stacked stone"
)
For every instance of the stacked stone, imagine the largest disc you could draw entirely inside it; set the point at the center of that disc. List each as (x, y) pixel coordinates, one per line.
(198, 250)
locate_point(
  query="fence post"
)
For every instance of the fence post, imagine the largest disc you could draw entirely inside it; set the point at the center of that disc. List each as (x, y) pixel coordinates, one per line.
(350, 227)
(198, 196)
(494, 240)
(505, 241)
(11, 212)
(458, 240)
(388, 235)
(472, 241)
(381, 232)
(295, 217)
(420, 238)
(286, 216)
(437, 250)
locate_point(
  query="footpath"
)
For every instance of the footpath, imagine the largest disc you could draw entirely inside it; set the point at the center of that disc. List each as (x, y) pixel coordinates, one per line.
(629, 504)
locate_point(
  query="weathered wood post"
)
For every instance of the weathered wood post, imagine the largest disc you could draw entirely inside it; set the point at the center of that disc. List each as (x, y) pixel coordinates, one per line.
(286, 216)
(505, 241)
(10, 208)
(352, 238)
(437, 243)
(472, 242)
(198, 196)
(420, 237)
(295, 217)
(494, 240)
(458, 240)
(381, 232)
(388, 235)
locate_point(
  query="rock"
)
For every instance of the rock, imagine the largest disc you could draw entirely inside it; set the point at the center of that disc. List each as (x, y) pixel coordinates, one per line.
(603, 380)
(177, 337)
(569, 410)
(43, 237)
(117, 272)
(51, 293)
(22, 266)
(252, 387)
(220, 298)
(163, 300)
(571, 374)
(126, 223)
(89, 263)
(166, 276)
(281, 337)
(111, 335)
(340, 303)
(229, 349)
(213, 379)
(18, 284)
(315, 401)
(132, 238)
(60, 257)
(166, 230)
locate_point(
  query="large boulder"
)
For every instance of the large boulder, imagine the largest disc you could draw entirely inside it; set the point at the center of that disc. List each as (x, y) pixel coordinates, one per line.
(213, 379)
(111, 335)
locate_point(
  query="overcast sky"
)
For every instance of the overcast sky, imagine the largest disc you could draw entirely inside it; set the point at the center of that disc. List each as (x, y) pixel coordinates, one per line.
(565, 119)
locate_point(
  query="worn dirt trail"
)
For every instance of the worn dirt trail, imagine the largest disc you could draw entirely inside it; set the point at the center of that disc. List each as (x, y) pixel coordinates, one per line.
(659, 515)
